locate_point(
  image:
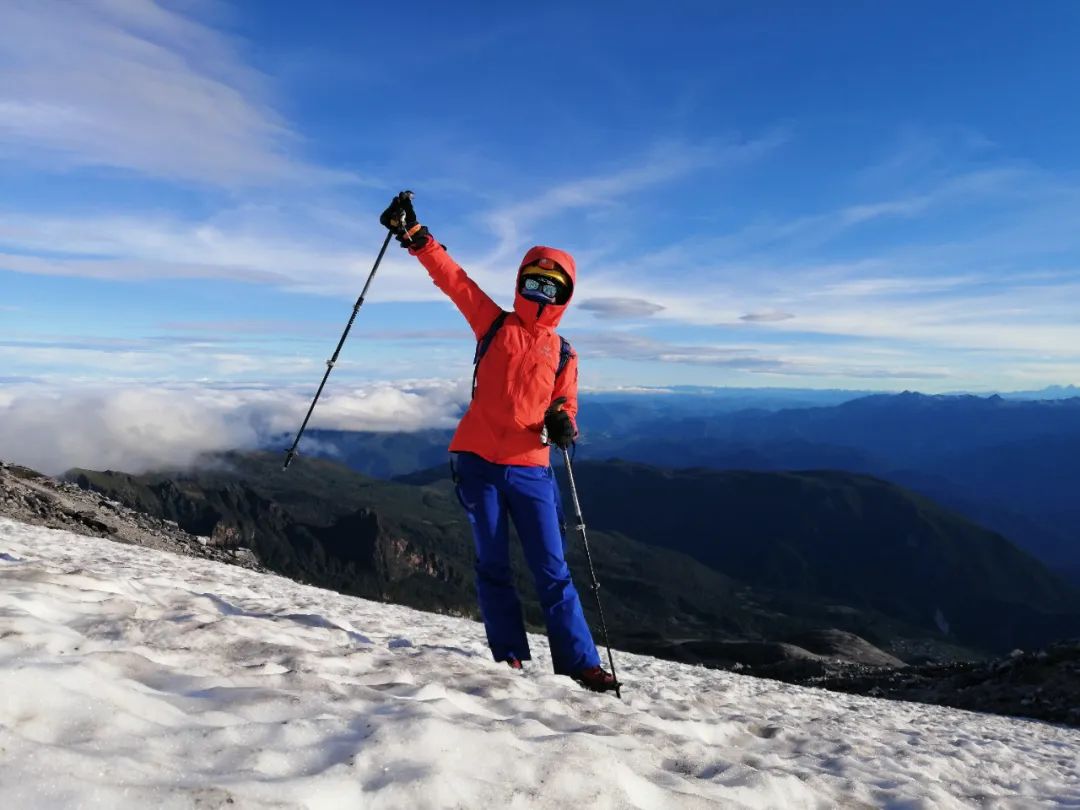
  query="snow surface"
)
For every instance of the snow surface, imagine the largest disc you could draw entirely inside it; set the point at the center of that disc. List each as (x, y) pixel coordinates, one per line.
(132, 678)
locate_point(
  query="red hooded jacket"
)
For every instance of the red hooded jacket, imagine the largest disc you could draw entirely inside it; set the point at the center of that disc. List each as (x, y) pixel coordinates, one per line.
(516, 380)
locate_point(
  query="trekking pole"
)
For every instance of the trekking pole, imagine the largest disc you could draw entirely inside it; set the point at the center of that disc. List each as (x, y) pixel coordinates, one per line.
(592, 571)
(330, 363)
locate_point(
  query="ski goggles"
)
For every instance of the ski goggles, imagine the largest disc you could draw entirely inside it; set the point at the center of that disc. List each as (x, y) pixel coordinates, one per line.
(547, 287)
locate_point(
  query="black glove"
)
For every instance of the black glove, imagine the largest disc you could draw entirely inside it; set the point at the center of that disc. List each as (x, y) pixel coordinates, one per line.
(400, 219)
(560, 428)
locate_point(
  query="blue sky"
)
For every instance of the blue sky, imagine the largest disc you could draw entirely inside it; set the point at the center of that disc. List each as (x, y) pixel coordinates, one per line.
(818, 195)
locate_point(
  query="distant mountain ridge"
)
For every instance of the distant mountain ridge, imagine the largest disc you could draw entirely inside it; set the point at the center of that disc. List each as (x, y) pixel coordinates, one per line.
(860, 540)
(1049, 392)
(942, 446)
(898, 429)
(1007, 463)
(904, 429)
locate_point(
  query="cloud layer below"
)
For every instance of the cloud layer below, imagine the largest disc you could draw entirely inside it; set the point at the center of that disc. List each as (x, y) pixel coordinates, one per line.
(140, 428)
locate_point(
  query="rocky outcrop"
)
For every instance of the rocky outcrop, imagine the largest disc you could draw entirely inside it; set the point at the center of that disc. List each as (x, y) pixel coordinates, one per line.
(317, 540)
(30, 497)
(1043, 685)
(832, 643)
(808, 655)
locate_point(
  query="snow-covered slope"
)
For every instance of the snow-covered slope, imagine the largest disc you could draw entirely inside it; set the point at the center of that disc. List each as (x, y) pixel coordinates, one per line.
(132, 678)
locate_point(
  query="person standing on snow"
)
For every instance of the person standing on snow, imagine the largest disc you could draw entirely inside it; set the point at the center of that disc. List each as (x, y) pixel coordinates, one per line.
(502, 467)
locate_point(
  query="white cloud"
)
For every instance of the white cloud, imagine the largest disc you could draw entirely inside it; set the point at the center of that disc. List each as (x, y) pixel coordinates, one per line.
(623, 346)
(134, 85)
(663, 163)
(167, 358)
(766, 316)
(618, 307)
(261, 252)
(756, 363)
(1004, 289)
(323, 247)
(1016, 318)
(137, 428)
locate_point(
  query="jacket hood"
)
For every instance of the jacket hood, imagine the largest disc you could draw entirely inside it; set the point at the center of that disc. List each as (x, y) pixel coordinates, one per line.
(531, 312)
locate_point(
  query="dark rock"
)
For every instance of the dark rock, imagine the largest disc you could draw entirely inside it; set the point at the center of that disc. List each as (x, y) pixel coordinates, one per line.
(1044, 685)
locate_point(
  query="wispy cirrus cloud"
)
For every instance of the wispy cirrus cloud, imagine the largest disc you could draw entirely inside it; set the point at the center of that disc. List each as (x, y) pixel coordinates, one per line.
(989, 194)
(625, 346)
(1017, 316)
(313, 248)
(215, 330)
(925, 292)
(224, 246)
(665, 162)
(995, 282)
(170, 358)
(138, 86)
(765, 363)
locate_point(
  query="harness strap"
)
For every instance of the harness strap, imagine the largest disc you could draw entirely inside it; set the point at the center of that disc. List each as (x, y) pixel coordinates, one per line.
(484, 344)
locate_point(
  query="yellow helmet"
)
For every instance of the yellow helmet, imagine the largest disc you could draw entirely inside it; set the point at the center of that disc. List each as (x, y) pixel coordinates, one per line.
(547, 269)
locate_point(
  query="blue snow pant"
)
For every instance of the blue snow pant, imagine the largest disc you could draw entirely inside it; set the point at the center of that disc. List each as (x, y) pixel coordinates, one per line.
(529, 495)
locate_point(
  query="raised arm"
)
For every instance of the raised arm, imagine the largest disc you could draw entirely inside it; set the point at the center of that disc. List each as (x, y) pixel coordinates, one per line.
(400, 219)
(479, 310)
